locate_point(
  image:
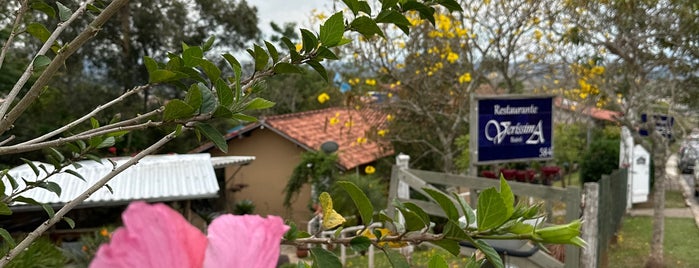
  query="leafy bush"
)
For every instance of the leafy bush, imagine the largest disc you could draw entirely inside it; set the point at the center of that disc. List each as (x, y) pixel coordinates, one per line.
(600, 158)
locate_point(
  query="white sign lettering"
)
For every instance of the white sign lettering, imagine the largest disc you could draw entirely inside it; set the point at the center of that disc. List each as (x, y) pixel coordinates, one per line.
(505, 128)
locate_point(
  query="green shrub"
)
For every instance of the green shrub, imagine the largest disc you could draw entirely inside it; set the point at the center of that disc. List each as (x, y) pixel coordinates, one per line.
(600, 158)
(243, 207)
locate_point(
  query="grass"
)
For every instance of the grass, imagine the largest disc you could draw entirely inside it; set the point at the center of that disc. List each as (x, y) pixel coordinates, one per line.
(632, 247)
(674, 199)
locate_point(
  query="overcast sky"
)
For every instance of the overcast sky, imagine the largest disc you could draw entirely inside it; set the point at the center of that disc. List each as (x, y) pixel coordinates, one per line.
(281, 11)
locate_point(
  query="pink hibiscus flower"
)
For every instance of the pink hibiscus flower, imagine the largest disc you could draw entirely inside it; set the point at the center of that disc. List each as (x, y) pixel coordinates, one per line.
(157, 236)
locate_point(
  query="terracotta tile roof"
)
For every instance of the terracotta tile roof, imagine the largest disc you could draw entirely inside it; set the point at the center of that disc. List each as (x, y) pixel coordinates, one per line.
(355, 132)
(594, 112)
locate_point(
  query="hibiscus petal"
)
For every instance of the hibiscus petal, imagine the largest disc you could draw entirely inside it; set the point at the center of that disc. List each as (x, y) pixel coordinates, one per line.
(152, 236)
(244, 241)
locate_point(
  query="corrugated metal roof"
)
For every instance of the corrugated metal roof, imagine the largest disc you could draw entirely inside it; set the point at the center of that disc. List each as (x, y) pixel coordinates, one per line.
(154, 178)
(222, 161)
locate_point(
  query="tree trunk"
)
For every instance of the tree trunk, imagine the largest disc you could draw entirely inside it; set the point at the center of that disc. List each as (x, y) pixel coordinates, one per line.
(656, 243)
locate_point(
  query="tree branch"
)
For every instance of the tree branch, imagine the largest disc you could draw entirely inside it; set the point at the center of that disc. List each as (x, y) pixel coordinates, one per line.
(6, 120)
(24, 6)
(80, 198)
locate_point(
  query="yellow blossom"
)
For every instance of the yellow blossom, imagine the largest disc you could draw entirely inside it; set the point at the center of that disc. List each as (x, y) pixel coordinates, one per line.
(390, 94)
(389, 117)
(104, 232)
(299, 47)
(597, 70)
(370, 82)
(537, 34)
(382, 132)
(452, 57)
(361, 140)
(348, 123)
(323, 97)
(465, 78)
(369, 170)
(334, 121)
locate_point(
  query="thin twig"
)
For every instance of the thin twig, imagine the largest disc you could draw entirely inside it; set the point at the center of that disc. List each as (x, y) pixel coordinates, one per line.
(85, 117)
(24, 6)
(6, 120)
(42, 51)
(80, 198)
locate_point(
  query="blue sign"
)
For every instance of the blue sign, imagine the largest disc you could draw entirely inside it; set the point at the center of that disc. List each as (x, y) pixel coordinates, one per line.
(515, 129)
(663, 125)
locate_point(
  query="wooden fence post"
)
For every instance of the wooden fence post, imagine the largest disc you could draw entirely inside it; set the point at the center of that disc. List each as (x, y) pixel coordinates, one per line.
(589, 227)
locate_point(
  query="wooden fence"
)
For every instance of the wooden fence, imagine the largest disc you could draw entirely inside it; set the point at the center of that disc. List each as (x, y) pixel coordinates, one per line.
(605, 206)
(553, 197)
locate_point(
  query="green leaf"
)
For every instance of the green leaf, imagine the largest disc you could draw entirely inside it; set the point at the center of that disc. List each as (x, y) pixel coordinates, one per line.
(160, 75)
(75, 173)
(58, 155)
(64, 12)
(396, 259)
(272, 52)
(451, 5)
(521, 228)
(437, 262)
(332, 30)
(392, 16)
(445, 202)
(452, 246)
(507, 196)
(295, 56)
(31, 165)
(353, 5)
(5, 209)
(51, 186)
(210, 69)
(453, 231)
(366, 26)
(41, 61)
(325, 259)
(224, 93)
(319, 68)
(107, 142)
(244, 117)
(419, 211)
(94, 9)
(13, 182)
(413, 222)
(27, 200)
(237, 69)
(43, 7)
(177, 109)
(285, 68)
(194, 98)
(212, 134)
(258, 104)
(93, 158)
(366, 209)
(209, 43)
(309, 40)
(360, 243)
(466, 209)
(222, 112)
(191, 56)
(386, 4)
(39, 31)
(491, 211)
(94, 123)
(325, 53)
(425, 12)
(261, 57)
(7, 237)
(70, 222)
(490, 253)
(209, 103)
